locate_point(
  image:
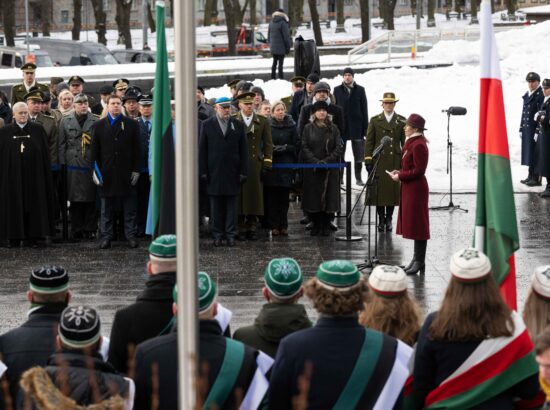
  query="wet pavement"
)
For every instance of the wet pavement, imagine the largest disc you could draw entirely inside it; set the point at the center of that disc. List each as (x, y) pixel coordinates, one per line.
(113, 278)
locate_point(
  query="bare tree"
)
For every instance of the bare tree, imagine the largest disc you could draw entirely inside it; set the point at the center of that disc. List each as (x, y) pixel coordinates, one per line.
(150, 18)
(315, 21)
(511, 5)
(123, 9)
(77, 19)
(46, 14)
(340, 20)
(473, 8)
(210, 12)
(365, 26)
(387, 8)
(295, 14)
(230, 21)
(100, 17)
(9, 21)
(253, 17)
(431, 15)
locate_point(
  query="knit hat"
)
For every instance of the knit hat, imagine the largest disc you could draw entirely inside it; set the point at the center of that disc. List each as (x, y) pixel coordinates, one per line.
(163, 248)
(207, 291)
(79, 326)
(49, 279)
(321, 86)
(470, 265)
(540, 281)
(349, 70)
(283, 277)
(388, 281)
(338, 274)
(313, 78)
(319, 105)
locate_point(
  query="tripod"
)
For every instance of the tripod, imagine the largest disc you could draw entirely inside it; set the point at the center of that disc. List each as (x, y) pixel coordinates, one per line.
(451, 206)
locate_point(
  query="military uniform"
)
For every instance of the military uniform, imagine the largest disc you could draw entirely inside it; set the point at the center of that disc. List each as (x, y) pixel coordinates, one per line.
(19, 91)
(260, 154)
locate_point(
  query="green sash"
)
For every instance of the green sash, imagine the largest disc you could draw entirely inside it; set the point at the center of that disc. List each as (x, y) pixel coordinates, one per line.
(227, 376)
(362, 372)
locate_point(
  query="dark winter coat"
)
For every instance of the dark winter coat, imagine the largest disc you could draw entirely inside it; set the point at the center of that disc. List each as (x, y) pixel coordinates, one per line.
(26, 186)
(260, 154)
(278, 34)
(50, 126)
(528, 125)
(386, 192)
(321, 186)
(334, 110)
(6, 113)
(205, 110)
(150, 316)
(355, 109)
(331, 347)
(163, 351)
(75, 375)
(144, 137)
(283, 134)
(298, 100)
(223, 158)
(543, 142)
(413, 220)
(435, 361)
(275, 321)
(29, 345)
(116, 149)
(72, 152)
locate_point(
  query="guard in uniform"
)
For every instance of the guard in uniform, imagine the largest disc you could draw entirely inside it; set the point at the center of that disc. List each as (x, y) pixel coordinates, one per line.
(532, 100)
(121, 85)
(260, 154)
(297, 85)
(542, 117)
(19, 91)
(233, 373)
(76, 86)
(233, 86)
(384, 193)
(346, 365)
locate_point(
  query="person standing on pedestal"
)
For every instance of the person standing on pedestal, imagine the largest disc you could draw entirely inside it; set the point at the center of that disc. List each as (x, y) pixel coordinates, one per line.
(279, 41)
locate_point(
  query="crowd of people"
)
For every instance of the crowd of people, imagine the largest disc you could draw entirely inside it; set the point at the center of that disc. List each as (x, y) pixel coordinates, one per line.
(369, 347)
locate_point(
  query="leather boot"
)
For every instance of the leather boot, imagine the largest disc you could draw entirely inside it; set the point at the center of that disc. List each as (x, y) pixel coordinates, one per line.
(316, 228)
(534, 181)
(529, 177)
(419, 264)
(381, 218)
(546, 192)
(358, 178)
(405, 268)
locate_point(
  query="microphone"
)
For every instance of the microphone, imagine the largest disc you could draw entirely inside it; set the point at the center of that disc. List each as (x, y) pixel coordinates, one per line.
(383, 144)
(455, 111)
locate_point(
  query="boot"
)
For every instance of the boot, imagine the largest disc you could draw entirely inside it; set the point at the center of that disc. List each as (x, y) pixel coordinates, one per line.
(534, 181)
(405, 268)
(389, 215)
(358, 178)
(316, 228)
(546, 192)
(381, 218)
(529, 177)
(419, 264)
(325, 224)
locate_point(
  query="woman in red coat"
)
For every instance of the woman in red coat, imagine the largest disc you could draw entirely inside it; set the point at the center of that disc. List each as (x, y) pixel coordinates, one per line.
(413, 222)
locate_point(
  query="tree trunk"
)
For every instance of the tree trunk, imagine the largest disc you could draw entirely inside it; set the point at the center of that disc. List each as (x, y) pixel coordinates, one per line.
(511, 6)
(123, 9)
(390, 8)
(253, 17)
(315, 21)
(340, 16)
(46, 13)
(473, 8)
(431, 13)
(231, 24)
(210, 12)
(243, 11)
(151, 19)
(100, 17)
(365, 27)
(382, 6)
(9, 22)
(295, 14)
(77, 19)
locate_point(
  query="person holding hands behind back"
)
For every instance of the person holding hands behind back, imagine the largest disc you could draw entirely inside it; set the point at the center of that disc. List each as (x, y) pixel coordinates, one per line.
(413, 220)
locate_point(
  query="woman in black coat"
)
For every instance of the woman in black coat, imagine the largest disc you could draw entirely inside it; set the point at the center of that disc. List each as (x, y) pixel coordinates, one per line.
(277, 183)
(321, 144)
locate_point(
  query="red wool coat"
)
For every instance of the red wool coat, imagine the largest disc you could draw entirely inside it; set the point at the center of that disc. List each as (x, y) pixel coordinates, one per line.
(413, 221)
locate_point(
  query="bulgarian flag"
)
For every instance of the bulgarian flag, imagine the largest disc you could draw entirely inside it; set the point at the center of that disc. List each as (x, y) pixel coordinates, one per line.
(496, 232)
(162, 210)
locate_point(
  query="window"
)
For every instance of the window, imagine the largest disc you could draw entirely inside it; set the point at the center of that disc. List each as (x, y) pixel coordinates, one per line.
(106, 5)
(201, 5)
(64, 16)
(134, 5)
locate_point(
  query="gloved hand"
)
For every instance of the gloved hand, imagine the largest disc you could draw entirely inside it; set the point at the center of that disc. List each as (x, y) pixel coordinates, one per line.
(535, 137)
(96, 179)
(134, 178)
(279, 148)
(242, 179)
(368, 168)
(539, 116)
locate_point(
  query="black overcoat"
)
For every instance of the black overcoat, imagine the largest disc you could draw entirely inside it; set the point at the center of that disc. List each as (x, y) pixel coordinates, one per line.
(528, 126)
(334, 110)
(284, 137)
(298, 100)
(543, 142)
(223, 158)
(355, 109)
(26, 185)
(116, 149)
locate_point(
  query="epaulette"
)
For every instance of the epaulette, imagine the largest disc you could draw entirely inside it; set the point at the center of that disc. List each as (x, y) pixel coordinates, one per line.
(401, 118)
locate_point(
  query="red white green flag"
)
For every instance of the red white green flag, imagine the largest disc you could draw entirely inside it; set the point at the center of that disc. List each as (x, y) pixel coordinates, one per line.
(496, 232)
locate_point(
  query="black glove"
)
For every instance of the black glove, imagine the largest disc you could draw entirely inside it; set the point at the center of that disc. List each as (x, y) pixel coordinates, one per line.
(369, 168)
(279, 148)
(242, 179)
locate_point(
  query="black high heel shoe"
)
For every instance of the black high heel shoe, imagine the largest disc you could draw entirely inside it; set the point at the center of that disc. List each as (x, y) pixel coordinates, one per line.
(407, 266)
(416, 267)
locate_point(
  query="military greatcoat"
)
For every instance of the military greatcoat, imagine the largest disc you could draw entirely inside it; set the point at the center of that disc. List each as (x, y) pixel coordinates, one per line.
(390, 159)
(260, 154)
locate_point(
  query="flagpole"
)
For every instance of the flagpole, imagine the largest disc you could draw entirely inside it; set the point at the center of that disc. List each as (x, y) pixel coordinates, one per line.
(186, 199)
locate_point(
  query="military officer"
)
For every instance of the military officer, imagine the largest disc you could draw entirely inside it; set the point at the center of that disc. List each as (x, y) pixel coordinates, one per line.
(385, 193)
(47, 107)
(297, 85)
(19, 91)
(34, 102)
(76, 87)
(121, 85)
(260, 154)
(233, 86)
(532, 100)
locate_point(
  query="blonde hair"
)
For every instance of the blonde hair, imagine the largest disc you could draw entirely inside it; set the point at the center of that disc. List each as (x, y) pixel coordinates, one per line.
(276, 104)
(536, 314)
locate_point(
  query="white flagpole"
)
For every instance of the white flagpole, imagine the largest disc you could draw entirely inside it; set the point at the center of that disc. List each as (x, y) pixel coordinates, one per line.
(186, 199)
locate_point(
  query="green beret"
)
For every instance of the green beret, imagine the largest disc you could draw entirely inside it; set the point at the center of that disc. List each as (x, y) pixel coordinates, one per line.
(163, 248)
(283, 277)
(338, 274)
(206, 291)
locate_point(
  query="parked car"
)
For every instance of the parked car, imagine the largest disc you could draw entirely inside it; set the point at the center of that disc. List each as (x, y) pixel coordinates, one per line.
(69, 52)
(134, 56)
(15, 57)
(249, 41)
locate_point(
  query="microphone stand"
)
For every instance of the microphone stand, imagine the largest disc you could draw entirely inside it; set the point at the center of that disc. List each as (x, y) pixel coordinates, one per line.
(451, 206)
